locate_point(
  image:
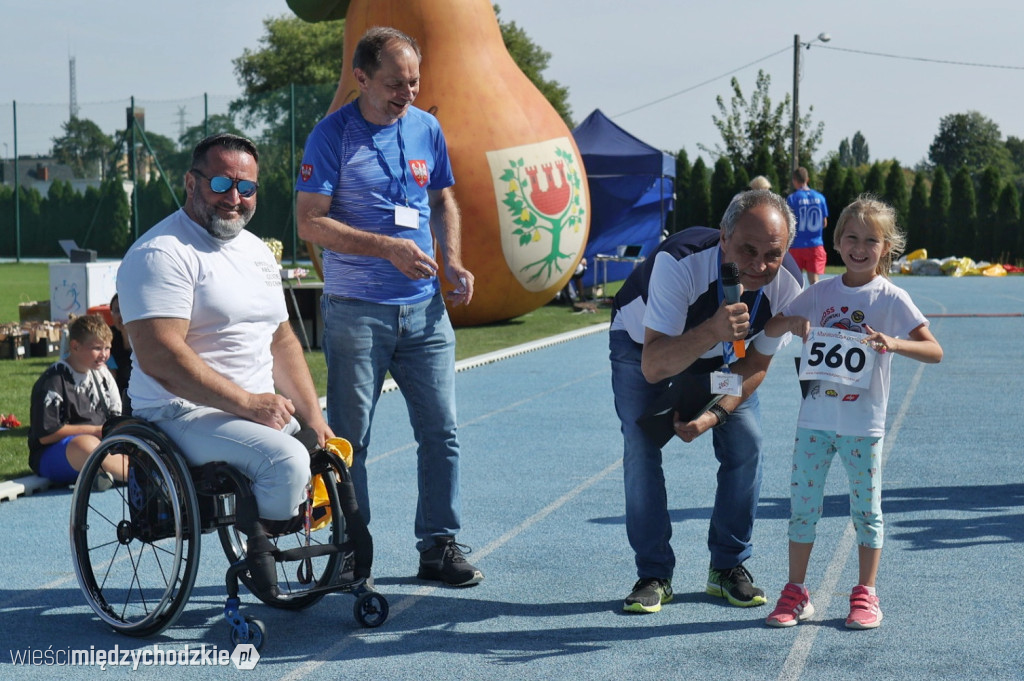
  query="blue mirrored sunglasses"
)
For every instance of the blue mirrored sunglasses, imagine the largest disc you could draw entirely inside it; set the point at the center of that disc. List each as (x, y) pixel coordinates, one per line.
(221, 184)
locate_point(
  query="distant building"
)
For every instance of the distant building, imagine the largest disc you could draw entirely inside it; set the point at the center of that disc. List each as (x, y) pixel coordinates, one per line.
(39, 172)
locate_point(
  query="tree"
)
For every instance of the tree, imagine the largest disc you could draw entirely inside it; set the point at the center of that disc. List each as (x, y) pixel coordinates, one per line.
(740, 179)
(832, 188)
(874, 183)
(845, 153)
(963, 214)
(532, 61)
(700, 195)
(989, 186)
(938, 214)
(917, 214)
(970, 140)
(747, 125)
(1015, 148)
(832, 184)
(859, 149)
(681, 208)
(83, 147)
(764, 165)
(291, 52)
(723, 186)
(896, 192)
(1008, 219)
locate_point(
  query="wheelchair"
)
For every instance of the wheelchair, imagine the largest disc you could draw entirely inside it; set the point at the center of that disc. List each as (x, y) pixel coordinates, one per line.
(136, 546)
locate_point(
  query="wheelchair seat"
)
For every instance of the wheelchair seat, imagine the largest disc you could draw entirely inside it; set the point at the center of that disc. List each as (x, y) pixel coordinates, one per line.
(136, 546)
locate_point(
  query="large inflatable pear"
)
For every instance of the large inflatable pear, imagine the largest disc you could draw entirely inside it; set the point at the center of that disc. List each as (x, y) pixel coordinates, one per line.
(519, 179)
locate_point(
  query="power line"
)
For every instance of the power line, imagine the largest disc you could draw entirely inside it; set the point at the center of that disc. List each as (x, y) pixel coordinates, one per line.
(925, 59)
(823, 47)
(694, 87)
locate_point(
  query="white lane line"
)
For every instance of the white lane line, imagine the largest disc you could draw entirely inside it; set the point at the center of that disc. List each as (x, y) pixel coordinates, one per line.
(308, 669)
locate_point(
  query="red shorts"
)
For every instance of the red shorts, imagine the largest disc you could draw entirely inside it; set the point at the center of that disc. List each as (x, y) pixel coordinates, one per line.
(811, 259)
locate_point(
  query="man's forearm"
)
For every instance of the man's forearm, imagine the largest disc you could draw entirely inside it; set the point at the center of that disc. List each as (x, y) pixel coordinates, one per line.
(665, 356)
(292, 378)
(446, 224)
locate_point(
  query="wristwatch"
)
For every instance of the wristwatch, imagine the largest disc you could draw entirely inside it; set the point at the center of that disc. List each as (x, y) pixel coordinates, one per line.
(721, 414)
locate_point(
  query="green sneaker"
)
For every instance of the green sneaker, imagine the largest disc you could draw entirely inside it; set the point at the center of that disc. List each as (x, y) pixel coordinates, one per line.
(735, 585)
(648, 595)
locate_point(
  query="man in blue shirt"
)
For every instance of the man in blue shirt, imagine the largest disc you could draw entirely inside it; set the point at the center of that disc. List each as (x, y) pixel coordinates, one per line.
(811, 212)
(375, 192)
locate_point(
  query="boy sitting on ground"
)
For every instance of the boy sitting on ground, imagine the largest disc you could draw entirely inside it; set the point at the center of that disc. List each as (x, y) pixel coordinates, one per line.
(70, 403)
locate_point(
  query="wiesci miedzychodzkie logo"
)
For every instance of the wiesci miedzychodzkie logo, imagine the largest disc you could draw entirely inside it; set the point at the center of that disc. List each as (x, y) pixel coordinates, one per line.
(540, 209)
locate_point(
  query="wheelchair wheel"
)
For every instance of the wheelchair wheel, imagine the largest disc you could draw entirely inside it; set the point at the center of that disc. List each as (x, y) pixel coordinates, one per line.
(135, 547)
(296, 578)
(257, 634)
(371, 609)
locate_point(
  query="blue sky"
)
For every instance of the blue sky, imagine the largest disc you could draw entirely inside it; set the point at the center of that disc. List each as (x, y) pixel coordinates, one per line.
(616, 56)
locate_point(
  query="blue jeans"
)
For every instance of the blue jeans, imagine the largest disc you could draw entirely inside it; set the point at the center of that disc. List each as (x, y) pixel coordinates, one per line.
(416, 343)
(738, 450)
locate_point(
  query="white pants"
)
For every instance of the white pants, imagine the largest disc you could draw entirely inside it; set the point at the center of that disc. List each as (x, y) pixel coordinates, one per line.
(275, 462)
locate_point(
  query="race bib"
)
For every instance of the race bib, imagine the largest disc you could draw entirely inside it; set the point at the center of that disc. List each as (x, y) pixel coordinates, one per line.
(838, 356)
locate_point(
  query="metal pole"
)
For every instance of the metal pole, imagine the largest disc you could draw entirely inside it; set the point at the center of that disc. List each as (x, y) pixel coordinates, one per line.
(206, 115)
(291, 158)
(17, 192)
(795, 161)
(135, 176)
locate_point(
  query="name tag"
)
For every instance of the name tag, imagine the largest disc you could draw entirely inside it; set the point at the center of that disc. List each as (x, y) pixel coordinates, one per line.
(726, 383)
(407, 217)
(839, 356)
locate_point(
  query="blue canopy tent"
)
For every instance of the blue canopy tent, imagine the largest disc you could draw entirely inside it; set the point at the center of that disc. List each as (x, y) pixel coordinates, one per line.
(631, 192)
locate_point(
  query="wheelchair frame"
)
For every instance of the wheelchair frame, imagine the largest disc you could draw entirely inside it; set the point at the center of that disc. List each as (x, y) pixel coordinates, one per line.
(136, 546)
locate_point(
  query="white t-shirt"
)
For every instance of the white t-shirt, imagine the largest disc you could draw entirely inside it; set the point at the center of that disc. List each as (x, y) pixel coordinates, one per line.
(684, 293)
(230, 291)
(884, 307)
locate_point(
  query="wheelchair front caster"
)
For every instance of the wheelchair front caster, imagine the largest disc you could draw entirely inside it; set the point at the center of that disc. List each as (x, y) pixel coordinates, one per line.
(255, 633)
(371, 609)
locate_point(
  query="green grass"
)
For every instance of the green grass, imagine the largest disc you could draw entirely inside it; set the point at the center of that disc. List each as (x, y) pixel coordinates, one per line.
(30, 281)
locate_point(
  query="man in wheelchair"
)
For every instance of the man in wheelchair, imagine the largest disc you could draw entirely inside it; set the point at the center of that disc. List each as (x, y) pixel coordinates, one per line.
(216, 365)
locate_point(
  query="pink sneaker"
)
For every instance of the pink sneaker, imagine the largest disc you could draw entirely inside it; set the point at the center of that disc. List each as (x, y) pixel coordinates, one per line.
(794, 606)
(864, 610)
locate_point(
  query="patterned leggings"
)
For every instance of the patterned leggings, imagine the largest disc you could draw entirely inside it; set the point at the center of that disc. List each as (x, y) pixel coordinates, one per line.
(812, 458)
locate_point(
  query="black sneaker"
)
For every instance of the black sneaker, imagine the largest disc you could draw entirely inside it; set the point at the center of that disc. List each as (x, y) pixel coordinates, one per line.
(648, 595)
(446, 562)
(735, 585)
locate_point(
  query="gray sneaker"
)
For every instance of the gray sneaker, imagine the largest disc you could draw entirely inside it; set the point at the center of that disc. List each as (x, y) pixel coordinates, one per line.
(648, 595)
(102, 482)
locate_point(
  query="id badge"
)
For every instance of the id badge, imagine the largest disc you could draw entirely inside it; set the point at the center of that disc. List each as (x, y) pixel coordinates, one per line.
(726, 383)
(407, 217)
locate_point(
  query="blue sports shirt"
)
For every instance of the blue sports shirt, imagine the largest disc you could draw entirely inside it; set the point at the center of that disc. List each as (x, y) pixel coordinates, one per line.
(368, 170)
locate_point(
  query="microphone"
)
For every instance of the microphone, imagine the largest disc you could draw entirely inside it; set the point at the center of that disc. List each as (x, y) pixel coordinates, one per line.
(730, 276)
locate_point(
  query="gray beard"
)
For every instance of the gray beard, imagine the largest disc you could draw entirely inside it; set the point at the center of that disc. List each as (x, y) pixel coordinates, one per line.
(225, 230)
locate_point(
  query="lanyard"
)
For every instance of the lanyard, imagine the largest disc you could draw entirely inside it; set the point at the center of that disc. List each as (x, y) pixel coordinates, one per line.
(387, 166)
(727, 351)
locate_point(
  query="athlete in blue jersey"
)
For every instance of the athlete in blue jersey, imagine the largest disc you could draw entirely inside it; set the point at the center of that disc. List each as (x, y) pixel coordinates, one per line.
(811, 213)
(375, 193)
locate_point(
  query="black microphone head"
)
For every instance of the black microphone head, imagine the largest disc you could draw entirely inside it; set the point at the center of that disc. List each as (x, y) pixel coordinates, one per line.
(730, 274)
